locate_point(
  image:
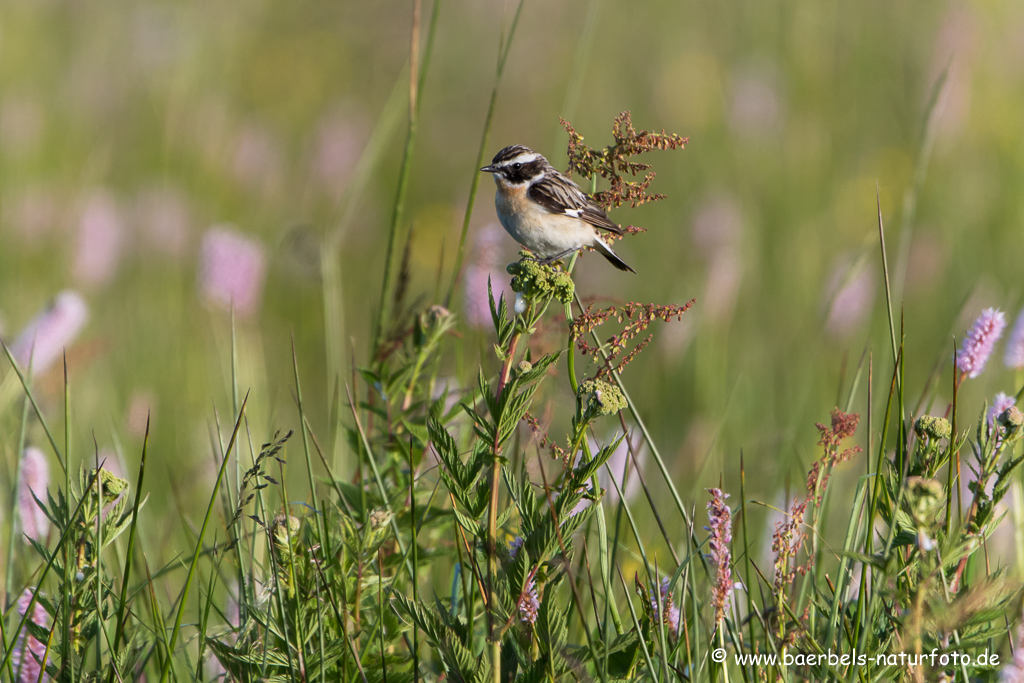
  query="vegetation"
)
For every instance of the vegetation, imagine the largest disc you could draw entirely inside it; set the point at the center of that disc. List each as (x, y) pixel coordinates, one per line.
(471, 472)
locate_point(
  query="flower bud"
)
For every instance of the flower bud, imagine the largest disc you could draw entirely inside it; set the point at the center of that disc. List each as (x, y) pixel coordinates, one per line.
(933, 427)
(540, 282)
(601, 398)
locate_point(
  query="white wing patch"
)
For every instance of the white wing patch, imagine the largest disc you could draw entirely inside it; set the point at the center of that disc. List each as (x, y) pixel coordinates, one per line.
(575, 213)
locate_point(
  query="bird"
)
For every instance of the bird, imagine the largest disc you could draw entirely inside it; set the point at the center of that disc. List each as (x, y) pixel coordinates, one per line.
(545, 211)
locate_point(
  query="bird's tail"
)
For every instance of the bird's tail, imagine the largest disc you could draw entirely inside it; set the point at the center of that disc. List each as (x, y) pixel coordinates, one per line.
(612, 257)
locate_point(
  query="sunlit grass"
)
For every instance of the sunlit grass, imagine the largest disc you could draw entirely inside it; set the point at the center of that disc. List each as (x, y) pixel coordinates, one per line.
(145, 126)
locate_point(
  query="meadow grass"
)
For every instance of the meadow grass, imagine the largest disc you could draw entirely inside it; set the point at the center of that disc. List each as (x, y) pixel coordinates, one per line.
(452, 504)
(473, 542)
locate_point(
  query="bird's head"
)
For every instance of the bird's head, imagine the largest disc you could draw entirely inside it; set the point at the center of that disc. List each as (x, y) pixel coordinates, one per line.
(517, 165)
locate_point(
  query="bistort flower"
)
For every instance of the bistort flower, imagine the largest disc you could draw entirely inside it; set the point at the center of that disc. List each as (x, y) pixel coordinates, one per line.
(1015, 346)
(977, 345)
(720, 518)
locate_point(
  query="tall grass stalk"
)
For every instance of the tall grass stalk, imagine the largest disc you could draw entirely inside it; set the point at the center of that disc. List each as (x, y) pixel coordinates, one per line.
(25, 385)
(183, 599)
(130, 551)
(417, 78)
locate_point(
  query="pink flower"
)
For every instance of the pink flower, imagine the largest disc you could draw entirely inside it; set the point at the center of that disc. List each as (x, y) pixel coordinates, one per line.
(720, 518)
(43, 340)
(851, 294)
(35, 478)
(620, 463)
(529, 604)
(484, 266)
(28, 652)
(1000, 405)
(977, 345)
(100, 238)
(231, 270)
(670, 610)
(1015, 346)
(339, 142)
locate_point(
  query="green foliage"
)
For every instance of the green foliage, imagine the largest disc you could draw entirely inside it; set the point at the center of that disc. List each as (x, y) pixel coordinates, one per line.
(438, 542)
(540, 282)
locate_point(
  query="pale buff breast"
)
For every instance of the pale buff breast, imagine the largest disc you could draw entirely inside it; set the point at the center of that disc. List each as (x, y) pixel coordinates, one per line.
(542, 232)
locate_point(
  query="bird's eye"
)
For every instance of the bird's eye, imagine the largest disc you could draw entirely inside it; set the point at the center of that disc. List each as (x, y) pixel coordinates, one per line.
(517, 166)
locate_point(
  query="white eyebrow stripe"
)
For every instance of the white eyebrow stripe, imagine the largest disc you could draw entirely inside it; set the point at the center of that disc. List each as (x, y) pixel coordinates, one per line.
(522, 159)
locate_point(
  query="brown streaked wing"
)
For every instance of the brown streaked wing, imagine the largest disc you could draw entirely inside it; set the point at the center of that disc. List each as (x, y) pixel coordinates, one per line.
(596, 216)
(558, 194)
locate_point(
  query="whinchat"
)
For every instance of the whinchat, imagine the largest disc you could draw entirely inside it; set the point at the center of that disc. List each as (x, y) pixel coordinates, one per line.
(545, 211)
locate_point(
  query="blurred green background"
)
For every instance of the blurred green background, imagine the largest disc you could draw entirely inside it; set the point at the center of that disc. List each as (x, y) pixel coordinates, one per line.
(157, 120)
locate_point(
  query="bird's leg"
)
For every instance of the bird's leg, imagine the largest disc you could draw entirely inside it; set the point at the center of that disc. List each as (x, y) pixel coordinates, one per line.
(551, 259)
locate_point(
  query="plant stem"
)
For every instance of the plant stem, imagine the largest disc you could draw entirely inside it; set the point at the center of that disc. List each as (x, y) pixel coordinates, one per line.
(417, 74)
(492, 514)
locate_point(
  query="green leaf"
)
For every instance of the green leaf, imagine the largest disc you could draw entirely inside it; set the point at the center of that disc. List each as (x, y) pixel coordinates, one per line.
(470, 525)
(587, 470)
(519, 570)
(442, 440)
(539, 368)
(513, 410)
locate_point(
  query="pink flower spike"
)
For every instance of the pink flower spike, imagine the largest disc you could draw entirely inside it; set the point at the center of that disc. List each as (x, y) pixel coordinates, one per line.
(231, 270)
(670, 611)
(1015, 346)
(28, 652)
(44, 339)
(720, 519)
(485, 267)
(529, 604)
(618, 463)
(1000, 404)
(977, 345)
(101, 233)
(35, 478)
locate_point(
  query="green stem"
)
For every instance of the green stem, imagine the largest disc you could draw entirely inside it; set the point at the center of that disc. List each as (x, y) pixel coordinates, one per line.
(579, 442)
(417, 74)
(492, 513)
(129, 554)
(10, 539)
(68, 597)
(199, 544)
(655, 453)
(721, 644)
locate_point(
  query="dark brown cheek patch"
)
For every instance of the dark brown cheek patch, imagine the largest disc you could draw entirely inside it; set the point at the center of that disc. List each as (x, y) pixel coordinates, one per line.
(525, 172)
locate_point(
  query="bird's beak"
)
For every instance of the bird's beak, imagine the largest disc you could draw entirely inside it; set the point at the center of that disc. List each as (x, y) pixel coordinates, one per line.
(489, 169)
